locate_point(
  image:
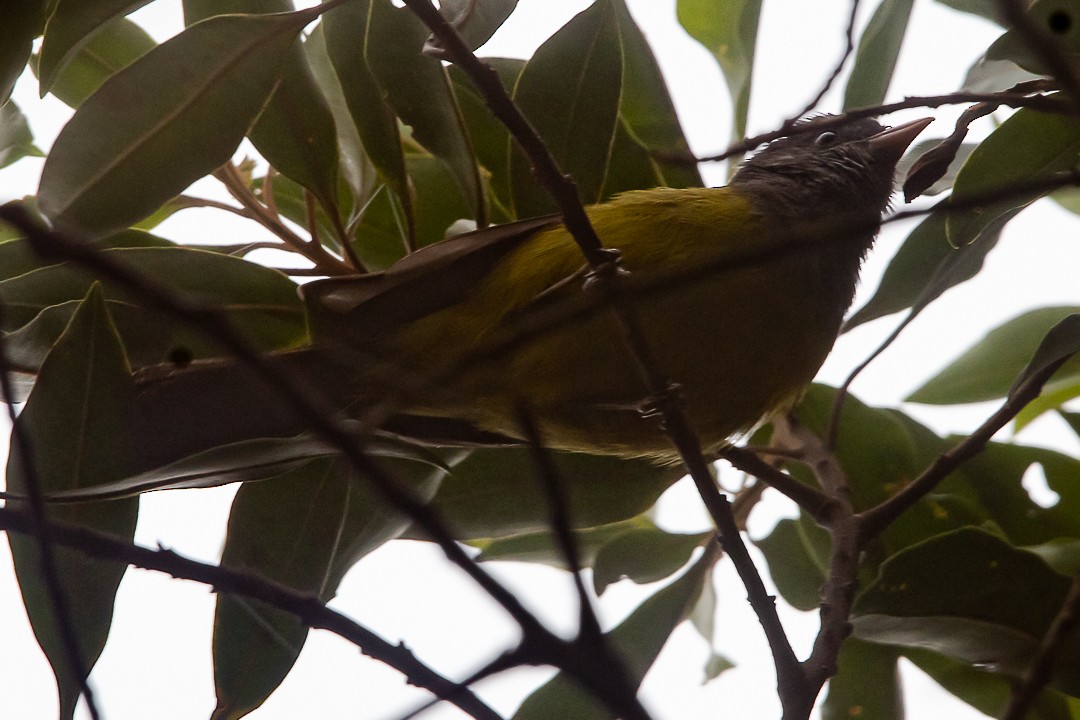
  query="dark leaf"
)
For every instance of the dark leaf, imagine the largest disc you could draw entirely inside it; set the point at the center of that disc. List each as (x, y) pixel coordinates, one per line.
(475, 20)
(797, 552)
(74, 421)
(417, 88)
(16, 140)
(569, 91)
(71, 26)
(245, 461)
(987, 370)
(971, 596)
(262, 302)
(1027, 146)
(866, 684)
(490, 138)
(729, 31)
(875, 58)
(986, 691)
(643, 555)
(346, 30)
(286, 530)
(22, 23)
(105, 169)
(295, 130)
(600, 490)
(638, 640)
(647, 111)
(111, 48)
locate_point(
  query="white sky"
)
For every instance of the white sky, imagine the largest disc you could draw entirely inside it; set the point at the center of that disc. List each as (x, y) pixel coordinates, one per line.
(157, 662)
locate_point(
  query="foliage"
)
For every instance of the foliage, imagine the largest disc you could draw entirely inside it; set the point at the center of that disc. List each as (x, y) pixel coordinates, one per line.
(369, 147)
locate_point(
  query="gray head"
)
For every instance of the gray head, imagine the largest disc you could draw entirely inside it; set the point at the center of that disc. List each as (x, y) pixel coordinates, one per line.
(847, 170)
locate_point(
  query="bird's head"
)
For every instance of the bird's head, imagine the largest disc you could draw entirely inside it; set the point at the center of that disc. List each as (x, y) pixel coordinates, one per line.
(847, 170)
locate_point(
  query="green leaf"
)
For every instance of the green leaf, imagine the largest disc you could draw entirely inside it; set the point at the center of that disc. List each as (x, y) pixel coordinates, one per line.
(971, 596)
(630, 168)
(22, 23)
(496, 493)
(637, 640)
(646, 109)
(1060, 344)
(643, 555)
(346, 30)
(570, 91)
(985, 691)
(925, 267)
(866, 684)
(490, 138)
(880, 451)
(74, 421)
(728, 29)
(716, 666)
(1059, 23)
(475, 20)
(876, 56)
(987, 370)
(988, 9)
(542, 546)
(417, 88)
(993, 482)
(1027, 146)
(71, 26)
(286, 530)
(16, 140)
(797, 552)
(262, 303)
(295, 131)
(105, 170)
(357, 170)
(18, 257)
(304, 529)
(245, 461)
(110, 49)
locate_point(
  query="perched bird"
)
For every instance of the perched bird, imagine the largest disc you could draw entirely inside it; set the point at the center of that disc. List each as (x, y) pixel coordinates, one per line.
(741, 291)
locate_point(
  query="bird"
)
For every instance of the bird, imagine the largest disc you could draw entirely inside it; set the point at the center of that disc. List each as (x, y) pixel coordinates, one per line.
(740, 291)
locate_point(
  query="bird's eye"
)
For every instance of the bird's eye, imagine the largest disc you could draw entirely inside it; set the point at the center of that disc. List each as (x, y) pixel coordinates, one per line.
(825, 139)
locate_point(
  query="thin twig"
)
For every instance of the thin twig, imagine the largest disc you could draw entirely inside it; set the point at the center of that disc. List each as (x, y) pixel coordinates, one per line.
(608, 677)
(43, 531)
(1006, 98)
(559, 514)
(259, 212)
(813, 502)
(309, 608)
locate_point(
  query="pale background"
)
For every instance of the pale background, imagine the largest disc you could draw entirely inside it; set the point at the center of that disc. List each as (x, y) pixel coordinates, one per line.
(157, 662)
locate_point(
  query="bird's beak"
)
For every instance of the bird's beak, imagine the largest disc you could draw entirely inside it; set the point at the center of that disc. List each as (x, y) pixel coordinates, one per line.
(889, 145)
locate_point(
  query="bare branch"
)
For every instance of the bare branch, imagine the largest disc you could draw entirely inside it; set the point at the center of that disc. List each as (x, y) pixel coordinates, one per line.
(307, 607)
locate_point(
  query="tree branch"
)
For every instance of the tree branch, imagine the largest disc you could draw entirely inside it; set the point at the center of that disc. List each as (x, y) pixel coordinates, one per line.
(307, 607)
